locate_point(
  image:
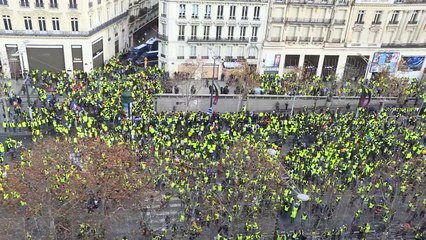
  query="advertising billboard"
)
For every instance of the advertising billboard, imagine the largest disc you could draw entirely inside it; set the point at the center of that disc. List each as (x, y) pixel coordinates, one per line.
(273, 60)
(411, 63)
(384, 61)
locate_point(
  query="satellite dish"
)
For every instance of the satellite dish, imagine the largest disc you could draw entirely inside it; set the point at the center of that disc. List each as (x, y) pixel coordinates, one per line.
(303, 197)
(272, 152)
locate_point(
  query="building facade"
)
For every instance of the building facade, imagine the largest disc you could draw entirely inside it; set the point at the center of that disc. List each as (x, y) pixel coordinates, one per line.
(143, 15)
(210, 35)
(349, 39)
(59, 35)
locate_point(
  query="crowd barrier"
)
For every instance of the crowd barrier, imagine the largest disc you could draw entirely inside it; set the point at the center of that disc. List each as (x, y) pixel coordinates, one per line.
(258, 103)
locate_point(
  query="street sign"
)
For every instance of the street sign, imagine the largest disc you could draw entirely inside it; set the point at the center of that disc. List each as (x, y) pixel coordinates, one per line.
(210, 111)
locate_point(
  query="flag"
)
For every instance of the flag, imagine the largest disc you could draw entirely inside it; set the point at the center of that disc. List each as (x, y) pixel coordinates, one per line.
(216, 97)
(365, 98)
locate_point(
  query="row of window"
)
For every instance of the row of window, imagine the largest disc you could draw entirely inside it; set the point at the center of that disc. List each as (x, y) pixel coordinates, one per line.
(206, 32)
(219, 13)
(205, 52)
(393, 20)
(41, 23)
(40, 3)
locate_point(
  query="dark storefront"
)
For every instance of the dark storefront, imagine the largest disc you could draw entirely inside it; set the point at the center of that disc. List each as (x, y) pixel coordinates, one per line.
(98, 53)
(77, 57)
(50, 58)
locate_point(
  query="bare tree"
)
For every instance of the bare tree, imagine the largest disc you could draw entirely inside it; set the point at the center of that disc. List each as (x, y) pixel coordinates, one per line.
(57, 193)
(246, 79)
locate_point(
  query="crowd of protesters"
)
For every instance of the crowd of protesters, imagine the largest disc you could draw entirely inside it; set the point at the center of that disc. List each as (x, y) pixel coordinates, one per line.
(371, 159)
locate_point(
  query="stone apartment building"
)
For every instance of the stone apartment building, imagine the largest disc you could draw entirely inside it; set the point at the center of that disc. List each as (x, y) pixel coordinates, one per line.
(61, 35)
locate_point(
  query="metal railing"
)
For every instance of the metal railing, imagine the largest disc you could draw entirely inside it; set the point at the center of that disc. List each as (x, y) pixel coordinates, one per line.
(404, 45)
(409, 1)
(308, 20)
(335, 40)
(316, 2)
(342, 3)
(275, 39)
(202, 39)
(65, 33)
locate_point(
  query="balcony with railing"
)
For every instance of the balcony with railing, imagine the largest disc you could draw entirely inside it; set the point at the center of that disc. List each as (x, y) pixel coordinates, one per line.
(342, 3)
(313, 2)
(409, 1)
(253, 39)
(277, 20)
(65, 33)
(308, 21)
(221, 40)
(335, 40)
(403, 45)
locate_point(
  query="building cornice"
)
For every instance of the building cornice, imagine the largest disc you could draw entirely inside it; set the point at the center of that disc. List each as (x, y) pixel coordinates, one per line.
(64, 34)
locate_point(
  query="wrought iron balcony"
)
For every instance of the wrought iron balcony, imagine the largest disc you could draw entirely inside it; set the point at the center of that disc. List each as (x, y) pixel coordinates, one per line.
(291, 39)
(403, 45)
(409, 1)
(314, 2)
(308, 21)
(222, 40)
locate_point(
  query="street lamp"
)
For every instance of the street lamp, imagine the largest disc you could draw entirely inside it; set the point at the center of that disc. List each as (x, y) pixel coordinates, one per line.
(214, 67)
(299, 195)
